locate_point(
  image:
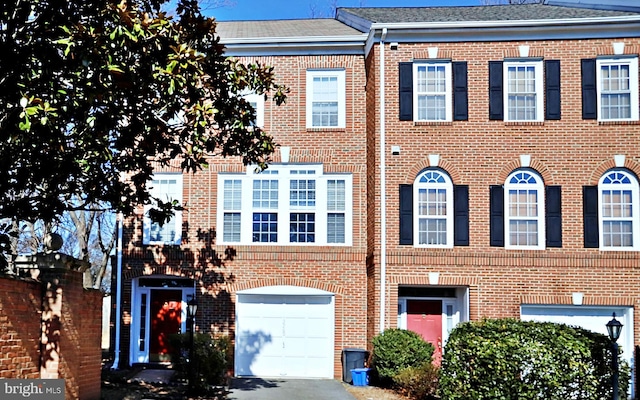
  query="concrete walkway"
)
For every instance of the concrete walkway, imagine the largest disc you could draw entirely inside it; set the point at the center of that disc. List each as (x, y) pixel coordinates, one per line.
(281, 389)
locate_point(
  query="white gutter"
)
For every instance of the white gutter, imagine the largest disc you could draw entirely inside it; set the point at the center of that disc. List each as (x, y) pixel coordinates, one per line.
(506, 23)
(119, 222)
(383, 190)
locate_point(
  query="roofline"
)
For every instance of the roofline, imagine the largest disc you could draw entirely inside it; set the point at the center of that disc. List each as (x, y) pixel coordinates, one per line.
(295, 49)
(506, 23)
(295, 39)
(457, 31)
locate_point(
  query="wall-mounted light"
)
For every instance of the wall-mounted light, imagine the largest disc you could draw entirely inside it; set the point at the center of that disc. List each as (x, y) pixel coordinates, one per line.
(395, 150)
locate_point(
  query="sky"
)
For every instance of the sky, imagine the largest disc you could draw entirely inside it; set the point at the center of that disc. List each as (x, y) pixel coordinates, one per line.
(243, 10)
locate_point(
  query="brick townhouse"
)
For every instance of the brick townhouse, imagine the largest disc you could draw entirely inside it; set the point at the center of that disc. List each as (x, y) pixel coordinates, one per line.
(436, 165)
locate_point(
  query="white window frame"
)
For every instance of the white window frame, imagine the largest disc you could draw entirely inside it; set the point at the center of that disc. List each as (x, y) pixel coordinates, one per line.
(177, 217)
(258, 100)
(448, 91)
(540, 209)
(283, 173)
(634, 187)
(632, 62)
(447, 186)
(341, 82)
(539, 87)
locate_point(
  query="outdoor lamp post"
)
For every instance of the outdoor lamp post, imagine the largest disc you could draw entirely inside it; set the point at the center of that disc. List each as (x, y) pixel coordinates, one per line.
(614, 327)
(192, 308)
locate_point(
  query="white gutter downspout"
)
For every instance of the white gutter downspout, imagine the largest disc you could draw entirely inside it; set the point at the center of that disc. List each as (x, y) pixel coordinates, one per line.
(116, 359)
(383, 189)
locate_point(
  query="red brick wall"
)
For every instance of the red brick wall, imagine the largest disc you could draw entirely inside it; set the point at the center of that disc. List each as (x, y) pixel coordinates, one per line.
(78, 340)
(20, 304)
(340, 270)
(571, 152)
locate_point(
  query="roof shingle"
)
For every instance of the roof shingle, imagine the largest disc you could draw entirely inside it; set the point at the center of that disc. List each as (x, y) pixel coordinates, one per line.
(298, 28)
(522, 12)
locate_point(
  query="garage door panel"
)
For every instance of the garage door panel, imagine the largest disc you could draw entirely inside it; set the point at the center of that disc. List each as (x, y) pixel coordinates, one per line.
(299, 329)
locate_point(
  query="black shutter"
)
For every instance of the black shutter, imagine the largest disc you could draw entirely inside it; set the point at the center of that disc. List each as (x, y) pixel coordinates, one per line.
(460, 96)
(552, 89)
(496, 106)
(406, 91)
(589, 92)
(553, 216)
(590, 215)
(406, 214)
(496, 211)
(461, 215)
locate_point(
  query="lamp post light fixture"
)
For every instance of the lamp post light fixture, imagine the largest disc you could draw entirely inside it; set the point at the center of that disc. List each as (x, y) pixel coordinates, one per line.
(614, 328)
(192, 308)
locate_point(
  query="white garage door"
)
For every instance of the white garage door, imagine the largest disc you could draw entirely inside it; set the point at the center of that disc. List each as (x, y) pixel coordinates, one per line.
(284, 331)
(592, 318)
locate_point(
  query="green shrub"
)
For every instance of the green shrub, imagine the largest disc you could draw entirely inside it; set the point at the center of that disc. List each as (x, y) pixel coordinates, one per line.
(419, 383)
(210, 361)
(511, 359)
(397, 349)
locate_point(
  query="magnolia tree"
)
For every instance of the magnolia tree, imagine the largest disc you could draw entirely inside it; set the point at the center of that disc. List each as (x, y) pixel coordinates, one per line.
(92, 91)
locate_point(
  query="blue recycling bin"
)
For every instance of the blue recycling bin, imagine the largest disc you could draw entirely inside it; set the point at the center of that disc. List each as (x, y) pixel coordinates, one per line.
(360, 376)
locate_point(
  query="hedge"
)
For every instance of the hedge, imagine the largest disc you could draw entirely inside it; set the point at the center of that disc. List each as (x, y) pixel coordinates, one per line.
(508, 359)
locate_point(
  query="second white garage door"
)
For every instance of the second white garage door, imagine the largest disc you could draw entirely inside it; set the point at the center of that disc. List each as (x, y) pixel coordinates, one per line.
(284, 331)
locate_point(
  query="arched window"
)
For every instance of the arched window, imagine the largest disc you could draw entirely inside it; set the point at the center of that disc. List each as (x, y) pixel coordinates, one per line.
(433, 202)
(618, 222)
(524, 210)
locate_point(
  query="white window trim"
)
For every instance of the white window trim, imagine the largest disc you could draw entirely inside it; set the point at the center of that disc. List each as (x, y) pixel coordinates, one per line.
(633, 82)
(259, 100)
(448, 186)
(284, 208)
(177, 218)
(539, 69)
(539, 186)
(342, 98)
(448, 90)
(635, 212)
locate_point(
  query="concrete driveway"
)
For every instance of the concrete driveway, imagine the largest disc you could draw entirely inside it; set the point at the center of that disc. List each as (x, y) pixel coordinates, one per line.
(284, 389)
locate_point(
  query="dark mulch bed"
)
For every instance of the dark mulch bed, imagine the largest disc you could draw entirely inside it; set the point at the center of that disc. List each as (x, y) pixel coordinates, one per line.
(118, 385)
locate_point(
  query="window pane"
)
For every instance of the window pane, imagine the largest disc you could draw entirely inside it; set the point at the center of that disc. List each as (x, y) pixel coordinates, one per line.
(324, 108)
(615, 87)
(302, 227)
(523, 232)
(265, 194)
(431, 87)
(265, 227)
(231, 227)
(617, 233)
(616, 206)
(521, 93)
(336, 195)
(232, 194)
(432, 231)
(335, 228)
(302, 193)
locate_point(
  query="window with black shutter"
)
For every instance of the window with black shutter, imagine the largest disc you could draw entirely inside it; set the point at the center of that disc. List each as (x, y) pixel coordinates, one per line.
(552, 89)
(553, 215)
(461, 215)
(590, 216)
(496, 215)
(406, 214)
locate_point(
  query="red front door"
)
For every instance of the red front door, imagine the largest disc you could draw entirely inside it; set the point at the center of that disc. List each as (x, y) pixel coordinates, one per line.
(425, 318)
(165, 321)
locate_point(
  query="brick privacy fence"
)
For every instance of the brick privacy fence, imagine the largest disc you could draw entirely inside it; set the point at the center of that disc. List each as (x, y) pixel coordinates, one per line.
(50, 327)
